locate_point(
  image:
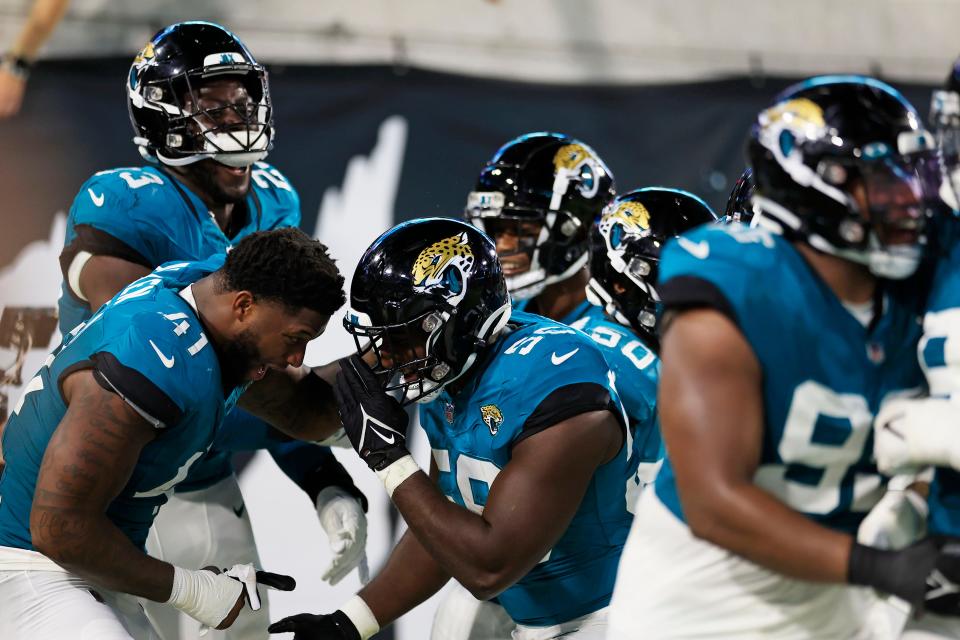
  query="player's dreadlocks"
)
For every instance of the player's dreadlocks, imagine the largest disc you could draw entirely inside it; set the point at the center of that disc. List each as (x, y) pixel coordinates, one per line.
(285, 266)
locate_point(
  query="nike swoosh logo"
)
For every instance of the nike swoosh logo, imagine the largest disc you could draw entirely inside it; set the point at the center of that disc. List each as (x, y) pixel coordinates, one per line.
(388, 439)
(368, 422)
(888, 426)
(698, 250)
(167, 362)
(555, 359)
(97, 199)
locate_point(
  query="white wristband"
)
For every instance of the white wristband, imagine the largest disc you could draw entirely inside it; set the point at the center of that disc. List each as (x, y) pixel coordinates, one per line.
(361, 616)
(397, 472)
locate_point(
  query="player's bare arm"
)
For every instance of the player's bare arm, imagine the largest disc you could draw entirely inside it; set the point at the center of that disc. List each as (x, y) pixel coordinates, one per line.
(529, 506)
(102, 277)
(711, 413)
(87, 463)
(295, 401)
(410, 576)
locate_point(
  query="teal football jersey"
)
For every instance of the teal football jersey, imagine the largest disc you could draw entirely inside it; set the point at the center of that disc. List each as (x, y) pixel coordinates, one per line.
(636, 372)
(941, 364)
(825, 375)
(146, 216)
(537, 374)
(148, 346)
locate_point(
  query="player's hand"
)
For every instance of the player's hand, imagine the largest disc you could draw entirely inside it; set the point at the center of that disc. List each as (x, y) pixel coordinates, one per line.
(911, 433)
(12, 88)
(925, 574)
(343, 520)
(306, 626)
(898, 520)
(216, 598)
(374, 421)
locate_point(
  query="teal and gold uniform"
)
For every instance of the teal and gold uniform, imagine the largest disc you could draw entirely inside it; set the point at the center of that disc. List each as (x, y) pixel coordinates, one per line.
(636, 370)
(147, 345)
(537, 374)
(825, 374)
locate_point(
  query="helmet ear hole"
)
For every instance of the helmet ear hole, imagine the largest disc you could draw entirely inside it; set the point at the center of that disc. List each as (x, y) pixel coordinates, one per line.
(569, 227)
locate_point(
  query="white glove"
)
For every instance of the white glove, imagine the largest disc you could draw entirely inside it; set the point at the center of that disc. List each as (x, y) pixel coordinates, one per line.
(209, 597)
(342, 518)
(898, 520)
(913, 433)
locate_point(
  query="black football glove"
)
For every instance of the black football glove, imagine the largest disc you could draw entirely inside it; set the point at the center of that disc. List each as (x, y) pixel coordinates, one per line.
(926, 574)
(374, 421)
(306, 626)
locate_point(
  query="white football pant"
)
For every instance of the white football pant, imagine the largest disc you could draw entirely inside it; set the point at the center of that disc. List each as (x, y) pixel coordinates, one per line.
(672, 586)
(41, 601)
(195, 529)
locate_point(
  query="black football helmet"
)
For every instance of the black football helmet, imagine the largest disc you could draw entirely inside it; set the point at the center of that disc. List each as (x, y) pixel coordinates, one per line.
(554, 181)
(945, 118)
(427, 297)
(844, 164)
(169, 120)
(625, 249)
(739, 204)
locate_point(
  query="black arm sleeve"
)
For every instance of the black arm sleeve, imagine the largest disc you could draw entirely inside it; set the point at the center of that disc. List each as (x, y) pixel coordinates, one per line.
(690, 292)
(136, 389)
(566, 402)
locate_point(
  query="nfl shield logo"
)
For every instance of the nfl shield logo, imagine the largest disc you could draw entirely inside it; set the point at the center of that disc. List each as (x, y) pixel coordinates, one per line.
(875, 352)
(448, 412)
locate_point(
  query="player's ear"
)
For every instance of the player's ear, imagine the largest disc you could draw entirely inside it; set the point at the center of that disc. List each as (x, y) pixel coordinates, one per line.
(242, 305)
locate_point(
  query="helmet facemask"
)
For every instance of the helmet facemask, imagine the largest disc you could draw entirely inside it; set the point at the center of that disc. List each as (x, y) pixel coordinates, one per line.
(235, 133)
(545, 237)
(629, 297)
(945, 116)
(882, 197)
(418, 357)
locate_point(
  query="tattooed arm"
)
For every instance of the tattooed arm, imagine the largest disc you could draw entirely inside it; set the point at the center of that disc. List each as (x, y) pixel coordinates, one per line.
(296, 401)
(87, 463)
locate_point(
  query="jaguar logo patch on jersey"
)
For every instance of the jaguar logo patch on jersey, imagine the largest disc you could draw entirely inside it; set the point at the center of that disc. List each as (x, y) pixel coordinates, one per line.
(491, 416)
(444, 265)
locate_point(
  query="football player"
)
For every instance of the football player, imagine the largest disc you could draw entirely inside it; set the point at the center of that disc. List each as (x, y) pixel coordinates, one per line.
(525, 498)
(624, 260)
(120, 412)
(202, 116)
(913, 433)
(780, 344)
(537, 198)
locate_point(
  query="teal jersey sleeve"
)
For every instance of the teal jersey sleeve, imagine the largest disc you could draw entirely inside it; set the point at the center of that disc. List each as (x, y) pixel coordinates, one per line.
(279, 202)
(150, 366)
(722, 267)
(545, 373)
(124, 213)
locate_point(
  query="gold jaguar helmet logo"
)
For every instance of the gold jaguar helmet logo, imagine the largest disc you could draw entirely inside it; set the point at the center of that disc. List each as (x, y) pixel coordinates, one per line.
(445, 263)
(575, 163)
(800, 115)
(491, 416)
(146, 54)
(622, 221)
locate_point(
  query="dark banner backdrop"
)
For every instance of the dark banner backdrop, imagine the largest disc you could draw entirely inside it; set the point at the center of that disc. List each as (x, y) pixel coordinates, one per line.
(74, 122)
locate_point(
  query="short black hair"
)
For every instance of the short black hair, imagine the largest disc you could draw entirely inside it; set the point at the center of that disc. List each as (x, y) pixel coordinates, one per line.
(285, 266)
